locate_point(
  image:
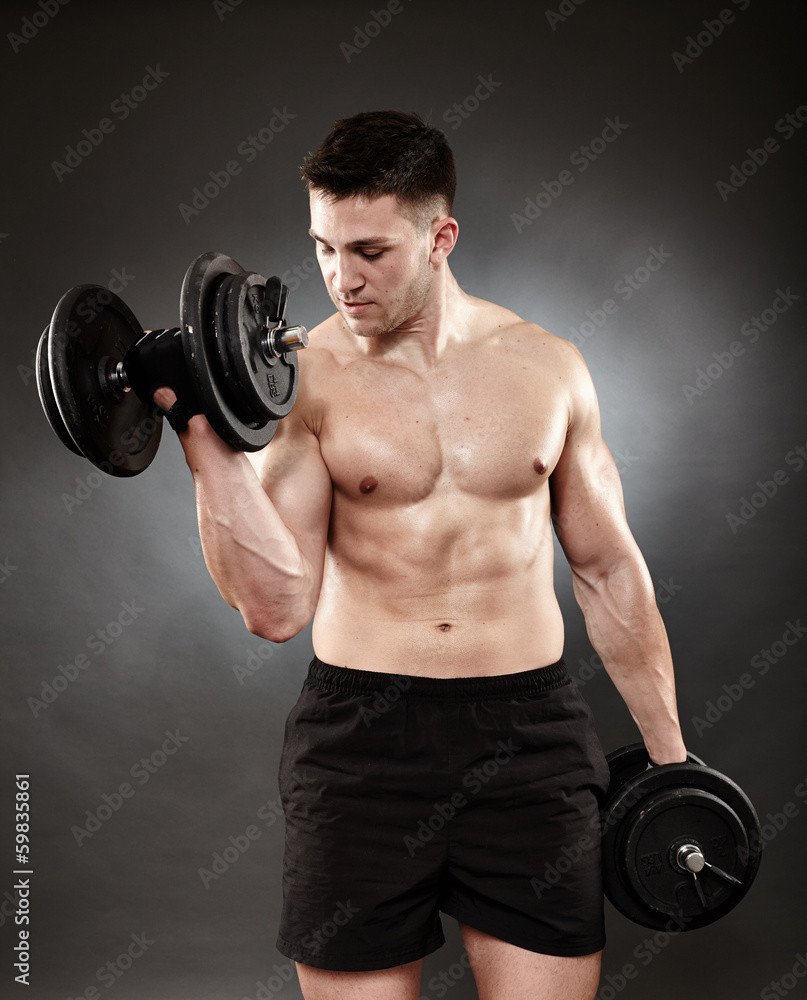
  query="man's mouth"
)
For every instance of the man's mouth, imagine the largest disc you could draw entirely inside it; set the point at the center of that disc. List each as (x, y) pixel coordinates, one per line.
(355, 307)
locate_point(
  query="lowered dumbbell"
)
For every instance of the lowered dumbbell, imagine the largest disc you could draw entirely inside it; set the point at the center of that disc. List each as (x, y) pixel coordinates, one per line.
(232, 358)
(681, 843)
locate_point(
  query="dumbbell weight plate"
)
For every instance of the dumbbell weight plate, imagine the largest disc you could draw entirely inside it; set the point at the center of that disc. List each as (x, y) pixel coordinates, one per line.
(709, 823)
(46, 397)
(267, 385)
(222, 365)
(90, 332)
(629, 762)
(649, 817)
(202, 327)
(246, 378)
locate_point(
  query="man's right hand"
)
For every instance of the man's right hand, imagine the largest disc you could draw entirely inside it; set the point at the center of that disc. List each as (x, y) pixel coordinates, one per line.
(158, 355)
(165, 397)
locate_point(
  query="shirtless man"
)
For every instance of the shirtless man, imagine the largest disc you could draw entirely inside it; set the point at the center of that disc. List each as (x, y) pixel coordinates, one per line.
(408, 500)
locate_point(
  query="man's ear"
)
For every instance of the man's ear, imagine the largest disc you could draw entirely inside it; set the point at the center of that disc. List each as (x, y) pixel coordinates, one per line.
(444, 237)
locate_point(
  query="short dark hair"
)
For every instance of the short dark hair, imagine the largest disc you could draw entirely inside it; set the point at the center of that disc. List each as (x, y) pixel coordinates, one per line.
(386, 152)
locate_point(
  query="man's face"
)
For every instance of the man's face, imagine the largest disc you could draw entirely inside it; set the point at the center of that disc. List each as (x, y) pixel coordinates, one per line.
(374, 261)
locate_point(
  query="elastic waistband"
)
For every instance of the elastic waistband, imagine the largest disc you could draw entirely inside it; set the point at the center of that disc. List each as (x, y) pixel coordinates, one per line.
(351, 681)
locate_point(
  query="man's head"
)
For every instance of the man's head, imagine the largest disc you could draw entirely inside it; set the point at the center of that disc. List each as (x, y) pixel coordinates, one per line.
(381, 188)
(386, 152)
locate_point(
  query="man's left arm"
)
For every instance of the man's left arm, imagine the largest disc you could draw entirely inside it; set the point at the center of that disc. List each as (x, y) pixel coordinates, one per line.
(610, 578)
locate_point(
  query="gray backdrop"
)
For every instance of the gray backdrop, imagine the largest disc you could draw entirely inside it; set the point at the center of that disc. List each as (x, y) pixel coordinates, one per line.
(122, 666)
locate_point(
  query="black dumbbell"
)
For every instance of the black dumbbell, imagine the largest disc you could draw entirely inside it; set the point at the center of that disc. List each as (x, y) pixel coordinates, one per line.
(232, 357)
(681, 842)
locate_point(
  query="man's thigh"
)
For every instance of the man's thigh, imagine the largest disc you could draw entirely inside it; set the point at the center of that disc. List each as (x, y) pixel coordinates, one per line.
(505, 970)
(399, 983)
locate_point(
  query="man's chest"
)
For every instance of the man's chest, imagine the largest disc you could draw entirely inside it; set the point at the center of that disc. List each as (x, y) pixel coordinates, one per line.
(492, 429)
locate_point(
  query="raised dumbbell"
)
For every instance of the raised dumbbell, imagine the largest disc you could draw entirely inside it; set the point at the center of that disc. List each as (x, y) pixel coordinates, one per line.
(232, 358)
(681, 843)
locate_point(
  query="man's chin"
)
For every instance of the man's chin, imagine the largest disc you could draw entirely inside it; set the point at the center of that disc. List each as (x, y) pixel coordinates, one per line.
(361, 328)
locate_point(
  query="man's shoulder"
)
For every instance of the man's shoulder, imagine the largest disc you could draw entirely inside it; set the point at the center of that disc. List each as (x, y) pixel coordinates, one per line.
(323, 334)
(507, 329)
(327, 343)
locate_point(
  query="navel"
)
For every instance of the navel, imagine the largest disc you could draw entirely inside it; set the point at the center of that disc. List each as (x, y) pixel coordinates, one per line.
(368, 484)
(444, 627)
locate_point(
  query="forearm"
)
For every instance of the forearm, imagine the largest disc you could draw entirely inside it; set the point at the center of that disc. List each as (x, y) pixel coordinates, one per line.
(627, 631)
(253, 557)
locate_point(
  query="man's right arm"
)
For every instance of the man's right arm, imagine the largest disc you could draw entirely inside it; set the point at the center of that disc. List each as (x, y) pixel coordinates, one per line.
(263, 522)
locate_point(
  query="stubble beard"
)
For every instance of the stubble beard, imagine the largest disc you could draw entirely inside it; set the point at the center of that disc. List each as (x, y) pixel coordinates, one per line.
(408, 304)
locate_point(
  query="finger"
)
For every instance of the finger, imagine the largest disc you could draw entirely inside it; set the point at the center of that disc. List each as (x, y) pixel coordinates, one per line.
(165, 397)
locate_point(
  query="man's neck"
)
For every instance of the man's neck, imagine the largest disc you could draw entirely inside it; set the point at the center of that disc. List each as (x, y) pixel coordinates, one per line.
(423, 340)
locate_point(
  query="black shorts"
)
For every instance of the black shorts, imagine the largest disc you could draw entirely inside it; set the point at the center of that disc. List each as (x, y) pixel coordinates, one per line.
(405, 796)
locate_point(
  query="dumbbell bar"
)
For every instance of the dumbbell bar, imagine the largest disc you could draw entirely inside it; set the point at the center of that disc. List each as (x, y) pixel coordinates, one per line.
(236, 356)
(681, 842)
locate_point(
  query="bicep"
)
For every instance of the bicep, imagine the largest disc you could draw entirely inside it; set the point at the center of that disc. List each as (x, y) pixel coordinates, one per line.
(295, 477)
(588, 511)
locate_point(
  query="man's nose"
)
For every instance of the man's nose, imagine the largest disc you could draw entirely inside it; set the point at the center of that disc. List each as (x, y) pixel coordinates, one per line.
(347, 275)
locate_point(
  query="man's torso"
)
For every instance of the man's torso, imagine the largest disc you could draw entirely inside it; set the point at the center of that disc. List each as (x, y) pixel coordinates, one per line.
(440, 549)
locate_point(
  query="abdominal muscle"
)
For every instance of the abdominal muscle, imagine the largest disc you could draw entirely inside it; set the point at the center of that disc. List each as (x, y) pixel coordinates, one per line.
(455, 586)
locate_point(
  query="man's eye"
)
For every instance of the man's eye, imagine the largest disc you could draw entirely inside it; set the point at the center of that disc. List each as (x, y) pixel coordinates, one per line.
(371, 256)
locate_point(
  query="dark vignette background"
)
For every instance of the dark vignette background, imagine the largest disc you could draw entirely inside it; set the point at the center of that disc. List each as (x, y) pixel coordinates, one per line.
(729, 589)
